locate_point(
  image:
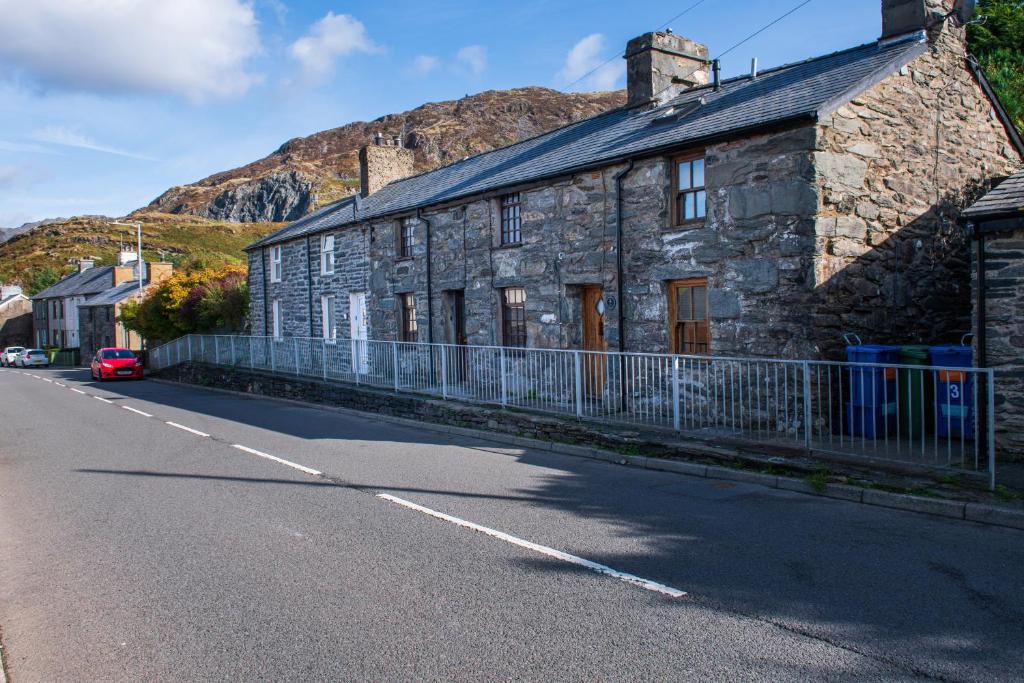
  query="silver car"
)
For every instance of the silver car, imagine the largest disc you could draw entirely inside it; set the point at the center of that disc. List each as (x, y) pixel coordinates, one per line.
(9, 355)
(33, 358)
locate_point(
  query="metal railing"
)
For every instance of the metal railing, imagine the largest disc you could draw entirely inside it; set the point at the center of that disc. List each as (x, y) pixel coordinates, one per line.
(915, 414)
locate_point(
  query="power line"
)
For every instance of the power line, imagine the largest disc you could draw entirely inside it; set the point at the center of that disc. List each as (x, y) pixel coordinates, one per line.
(622, 54)
(763, 29)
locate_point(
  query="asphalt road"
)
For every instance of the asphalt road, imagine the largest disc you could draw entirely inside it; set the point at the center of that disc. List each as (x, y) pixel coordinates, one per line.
(134, 549)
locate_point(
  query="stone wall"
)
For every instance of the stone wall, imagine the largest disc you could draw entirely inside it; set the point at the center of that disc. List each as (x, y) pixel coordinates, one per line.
(16, 323)
(96, 327)
(895, 166)
(1004, 332)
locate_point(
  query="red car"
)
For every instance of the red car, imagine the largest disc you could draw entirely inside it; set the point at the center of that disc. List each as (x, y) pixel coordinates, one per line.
(114, 363)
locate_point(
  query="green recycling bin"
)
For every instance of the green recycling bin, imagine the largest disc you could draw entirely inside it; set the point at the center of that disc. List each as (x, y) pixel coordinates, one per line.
(914, 390)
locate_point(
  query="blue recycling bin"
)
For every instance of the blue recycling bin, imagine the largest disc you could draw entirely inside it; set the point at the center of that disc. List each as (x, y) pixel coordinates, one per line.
(954, 392)
(871, 408)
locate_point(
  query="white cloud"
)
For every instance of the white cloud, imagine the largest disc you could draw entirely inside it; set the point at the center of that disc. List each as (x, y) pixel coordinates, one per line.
(334, 36)
(474, 58)
(424, 64)
(21, 176)
(8, 146)
(194, 48)
(67, 137)
(589, 54)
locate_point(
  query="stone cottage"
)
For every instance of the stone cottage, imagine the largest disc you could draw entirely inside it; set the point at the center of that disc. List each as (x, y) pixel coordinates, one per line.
(996, 223)
(760, 215)
(15, 317)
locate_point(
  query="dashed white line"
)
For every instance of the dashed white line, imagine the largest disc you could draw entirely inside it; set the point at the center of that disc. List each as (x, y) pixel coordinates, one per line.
(139, 412)
(288, 463)
(47, 379)
(187, 429)
(37, 376)
(544, 550)
(61, 385)
(78, 391)
(100, 398)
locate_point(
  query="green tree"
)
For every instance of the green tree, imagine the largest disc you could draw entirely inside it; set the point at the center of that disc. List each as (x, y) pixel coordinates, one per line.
(998, 43)
(36, 280)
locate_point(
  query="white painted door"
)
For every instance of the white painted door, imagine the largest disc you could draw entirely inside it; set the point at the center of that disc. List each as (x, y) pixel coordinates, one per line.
(357, 321)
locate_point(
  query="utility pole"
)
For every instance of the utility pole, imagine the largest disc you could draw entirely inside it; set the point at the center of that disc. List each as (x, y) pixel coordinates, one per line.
(138, 272)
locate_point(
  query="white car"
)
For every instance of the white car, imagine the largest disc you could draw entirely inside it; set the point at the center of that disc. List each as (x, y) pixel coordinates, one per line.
(10, 355)
(33, 358)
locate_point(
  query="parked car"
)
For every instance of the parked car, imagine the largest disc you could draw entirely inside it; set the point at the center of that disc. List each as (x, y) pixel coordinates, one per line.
(10, 355)
(115, 363)
(30, 358)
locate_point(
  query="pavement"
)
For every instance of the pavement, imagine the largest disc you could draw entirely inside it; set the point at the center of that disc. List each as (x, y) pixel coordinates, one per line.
(168, 531)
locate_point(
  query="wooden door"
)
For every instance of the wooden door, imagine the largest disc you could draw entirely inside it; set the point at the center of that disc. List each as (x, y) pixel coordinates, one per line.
(357, 321)
(593, 340)
(458, 361)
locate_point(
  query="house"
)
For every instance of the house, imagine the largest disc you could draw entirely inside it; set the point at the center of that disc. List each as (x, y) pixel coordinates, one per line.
(56, 309)
(15, 317)
(98, 316)
(996, 223)
(760, 215)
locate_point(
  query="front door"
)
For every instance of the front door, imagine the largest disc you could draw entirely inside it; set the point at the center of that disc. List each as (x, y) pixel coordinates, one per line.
(357, 321)
(594, 364)
(455, 329)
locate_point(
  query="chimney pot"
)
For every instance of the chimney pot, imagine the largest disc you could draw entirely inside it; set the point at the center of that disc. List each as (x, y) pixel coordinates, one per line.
(660, 65)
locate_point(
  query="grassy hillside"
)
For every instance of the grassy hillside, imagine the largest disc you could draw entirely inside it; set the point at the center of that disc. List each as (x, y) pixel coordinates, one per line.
(38, 256)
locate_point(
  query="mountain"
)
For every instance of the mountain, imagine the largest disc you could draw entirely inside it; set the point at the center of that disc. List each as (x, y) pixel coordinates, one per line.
(308, 172)
(42, 254)
(8, 233)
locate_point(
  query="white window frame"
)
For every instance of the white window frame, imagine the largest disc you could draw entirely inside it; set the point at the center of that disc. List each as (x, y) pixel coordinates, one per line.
(327, 255)
(329, 318)
(276, 267)
(278, 326)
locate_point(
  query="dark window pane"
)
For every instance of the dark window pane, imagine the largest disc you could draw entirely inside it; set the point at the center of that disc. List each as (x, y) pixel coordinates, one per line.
(683, 303)
(513, 316)
(700, 303)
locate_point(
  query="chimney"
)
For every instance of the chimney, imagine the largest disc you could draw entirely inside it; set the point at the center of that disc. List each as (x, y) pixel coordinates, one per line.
(158, 272)
(383, 164)
(661, 65)
(123, 274)
(126, 257)
(900, 17)
(85, 264)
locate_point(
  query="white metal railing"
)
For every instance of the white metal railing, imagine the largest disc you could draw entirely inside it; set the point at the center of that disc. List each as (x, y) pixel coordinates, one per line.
(917, 414)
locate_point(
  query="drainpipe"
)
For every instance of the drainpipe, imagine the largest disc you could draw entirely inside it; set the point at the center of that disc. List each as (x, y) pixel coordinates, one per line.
(309, 287)
(980, 337)
(430, 290)
(619, 268)
(263, 273)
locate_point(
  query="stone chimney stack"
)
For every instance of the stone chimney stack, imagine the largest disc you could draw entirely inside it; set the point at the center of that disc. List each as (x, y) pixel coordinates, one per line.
(381, 163)
(661, 65)
(85, 264)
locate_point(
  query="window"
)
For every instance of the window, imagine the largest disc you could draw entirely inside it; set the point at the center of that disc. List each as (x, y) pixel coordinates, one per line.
(406, 237)
(688, 195)
(513, 316)
(328, 318)
(407, 309)
(275, 264)
(511, 219)
(276, 311)
(327, 255)
(689, 330)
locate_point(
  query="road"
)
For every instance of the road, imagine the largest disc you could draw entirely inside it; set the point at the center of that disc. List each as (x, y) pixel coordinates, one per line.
(138, 541)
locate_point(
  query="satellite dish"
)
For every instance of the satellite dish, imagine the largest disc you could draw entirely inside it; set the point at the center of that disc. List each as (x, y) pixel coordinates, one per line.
(964, 10)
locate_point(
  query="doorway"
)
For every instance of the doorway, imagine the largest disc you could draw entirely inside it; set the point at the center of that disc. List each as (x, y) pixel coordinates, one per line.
(455, 335)
(592, 317)
(357, 322)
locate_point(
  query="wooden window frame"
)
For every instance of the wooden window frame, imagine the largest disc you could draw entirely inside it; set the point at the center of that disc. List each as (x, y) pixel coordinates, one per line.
(677, 327)
(405, 233)
(276, 263)
(408, 328)
(678, 220)
(510, 210)
(513, 318)
(327, 255)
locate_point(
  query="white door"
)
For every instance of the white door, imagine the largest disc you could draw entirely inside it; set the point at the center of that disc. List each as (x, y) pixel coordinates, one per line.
(357, 321)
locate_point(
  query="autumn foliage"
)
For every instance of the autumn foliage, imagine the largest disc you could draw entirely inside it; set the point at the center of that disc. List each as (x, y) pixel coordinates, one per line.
(199, 300)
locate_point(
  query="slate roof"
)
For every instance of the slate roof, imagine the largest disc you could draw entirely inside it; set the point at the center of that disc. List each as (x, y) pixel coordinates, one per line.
(114, 295)
(800, 91)
(85, 283)
(1005, 200)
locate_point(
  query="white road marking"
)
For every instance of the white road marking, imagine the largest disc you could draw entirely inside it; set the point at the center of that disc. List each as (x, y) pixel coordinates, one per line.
(289, 463)
(139, 412)
(100, 398)
(47, 379)
(61, 385)
(544, 550)
(37, 376)
(78, 391)
(187, 429)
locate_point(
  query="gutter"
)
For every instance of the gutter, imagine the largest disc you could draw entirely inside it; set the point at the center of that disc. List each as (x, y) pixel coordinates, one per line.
(263, 273)
(430, 290)
(309, 287)
(1004, 118)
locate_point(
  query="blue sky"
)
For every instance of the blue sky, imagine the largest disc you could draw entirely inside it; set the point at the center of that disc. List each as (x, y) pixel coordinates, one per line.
(105, 105)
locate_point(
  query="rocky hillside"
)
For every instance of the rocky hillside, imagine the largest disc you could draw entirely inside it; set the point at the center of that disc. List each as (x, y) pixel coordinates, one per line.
(308, 172)
(35, 258)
